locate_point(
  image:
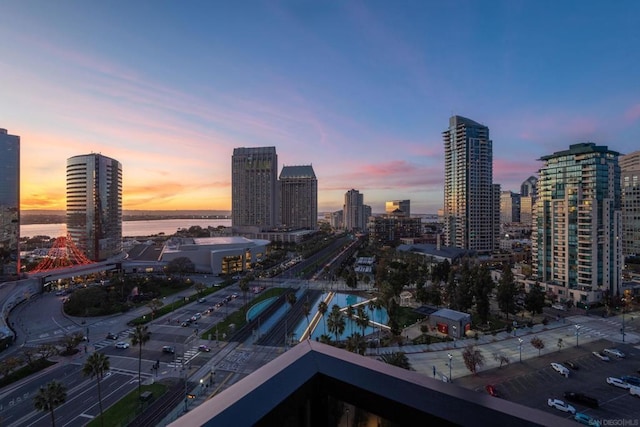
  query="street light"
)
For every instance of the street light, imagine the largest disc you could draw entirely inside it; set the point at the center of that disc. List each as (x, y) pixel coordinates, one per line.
(520, 341)
(450, 359)
(577, 334)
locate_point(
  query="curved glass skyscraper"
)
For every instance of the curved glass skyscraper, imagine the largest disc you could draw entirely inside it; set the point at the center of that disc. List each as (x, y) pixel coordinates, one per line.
(94, 205)
(9, 204)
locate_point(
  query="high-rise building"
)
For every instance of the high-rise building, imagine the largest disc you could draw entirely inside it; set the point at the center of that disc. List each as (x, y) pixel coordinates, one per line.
(299, 197)
(254, 188)
(94, 205)
(471, 206)
(529, 187)
(403, 206)
(576, 245)
(509, 207)
(354, 213)
(630, 173)
(526, 210)
(9, 204)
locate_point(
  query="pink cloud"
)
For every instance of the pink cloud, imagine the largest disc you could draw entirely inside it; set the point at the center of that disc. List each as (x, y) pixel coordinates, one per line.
(633, 113)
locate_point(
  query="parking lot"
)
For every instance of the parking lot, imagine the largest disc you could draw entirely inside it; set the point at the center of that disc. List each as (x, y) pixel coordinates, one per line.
(532, 382)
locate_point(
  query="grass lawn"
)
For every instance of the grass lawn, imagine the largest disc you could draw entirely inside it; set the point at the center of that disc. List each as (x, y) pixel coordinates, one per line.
(127, 408)
(238, 317)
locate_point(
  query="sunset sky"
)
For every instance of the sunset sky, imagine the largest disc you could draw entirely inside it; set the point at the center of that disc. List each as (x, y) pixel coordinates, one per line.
(359, 89)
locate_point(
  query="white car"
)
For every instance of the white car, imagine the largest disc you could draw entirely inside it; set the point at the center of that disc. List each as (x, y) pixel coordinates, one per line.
(614, 352)
(561, 406)
(122, 344)
(600, 356)
(634, 391)
(561, 369)
(617, 382)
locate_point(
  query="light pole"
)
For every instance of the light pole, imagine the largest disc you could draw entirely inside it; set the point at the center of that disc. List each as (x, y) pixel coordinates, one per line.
(623, 306)
(450, 360)
(577, 334)
(520, 347)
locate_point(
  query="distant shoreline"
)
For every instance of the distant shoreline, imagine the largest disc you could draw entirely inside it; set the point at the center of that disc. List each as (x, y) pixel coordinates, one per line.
(59, 217)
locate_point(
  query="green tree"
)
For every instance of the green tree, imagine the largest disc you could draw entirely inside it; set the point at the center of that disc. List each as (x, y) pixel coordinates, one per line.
(534, 301)
(336, 322)
(199, 287)
(140, 337)
(154, 305)
(483, 287)
(537, 343)
(507, 291)
(70, 342)
(397, 358)
(292, 299)
(50, 397)
(473, 358)
(356, 343)
(96, 366)
(180, 266)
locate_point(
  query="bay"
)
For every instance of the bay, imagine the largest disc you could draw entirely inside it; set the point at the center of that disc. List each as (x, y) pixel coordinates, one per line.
(129, 228)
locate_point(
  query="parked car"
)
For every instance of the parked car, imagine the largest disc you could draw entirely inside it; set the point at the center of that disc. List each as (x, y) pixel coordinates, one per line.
(630, 379)
(583, 399)
(204, 348)
(614, 352)
(168, 349)
(617, 382)
(561, 405)
(634, 391)
(571, 365)
(561, 369)
(600, 356)
(111, 336)
(122, 344)
(586, 420)
(491, 389)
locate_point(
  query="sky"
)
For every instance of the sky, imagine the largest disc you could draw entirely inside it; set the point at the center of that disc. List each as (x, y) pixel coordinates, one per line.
(361, 90)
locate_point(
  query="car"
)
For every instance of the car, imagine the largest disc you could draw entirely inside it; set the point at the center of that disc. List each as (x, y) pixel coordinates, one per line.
(234, 296)
(195, 317)
(204, 348)
(561, 406)
(111, 336)
(561, 369)
(629, 379)
(571, 365)
(491, 389)
(600, 356)
(168, 349)
(614, 352)
(583, 399)
(586, 420)
(617, 382)
(202, 300)
(634, 391)
(122, 344)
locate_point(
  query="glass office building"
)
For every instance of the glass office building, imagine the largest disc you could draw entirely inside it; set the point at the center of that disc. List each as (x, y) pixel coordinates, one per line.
(9, 205)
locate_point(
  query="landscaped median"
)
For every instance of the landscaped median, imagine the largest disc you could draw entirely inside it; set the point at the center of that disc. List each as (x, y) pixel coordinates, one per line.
(129, 407)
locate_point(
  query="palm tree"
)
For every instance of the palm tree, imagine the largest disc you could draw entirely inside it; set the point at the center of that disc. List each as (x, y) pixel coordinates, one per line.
(356, 343)
(398, 359)
(322, 309)
(140, 337)
(96, 366)
(292, 299)
(49, 397)
(350, 311)
(306, 309)
(336, 322)
(362, 319)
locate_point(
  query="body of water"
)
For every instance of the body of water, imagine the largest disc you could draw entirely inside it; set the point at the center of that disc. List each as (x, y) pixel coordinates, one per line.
(129, 228)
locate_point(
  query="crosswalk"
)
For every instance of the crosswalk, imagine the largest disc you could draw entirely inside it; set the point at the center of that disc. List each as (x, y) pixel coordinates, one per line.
(181, 361)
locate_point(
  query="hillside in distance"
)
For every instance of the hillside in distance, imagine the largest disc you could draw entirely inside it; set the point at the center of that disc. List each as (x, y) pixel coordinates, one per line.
(59, 216)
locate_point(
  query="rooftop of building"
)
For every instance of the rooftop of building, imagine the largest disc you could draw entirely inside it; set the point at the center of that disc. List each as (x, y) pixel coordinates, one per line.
(435, 250)
(303, 171)
(447, 313)
(296, 386)
(581, 148)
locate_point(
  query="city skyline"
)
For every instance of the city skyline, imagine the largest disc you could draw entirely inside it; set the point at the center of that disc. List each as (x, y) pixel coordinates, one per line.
(360, 91)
